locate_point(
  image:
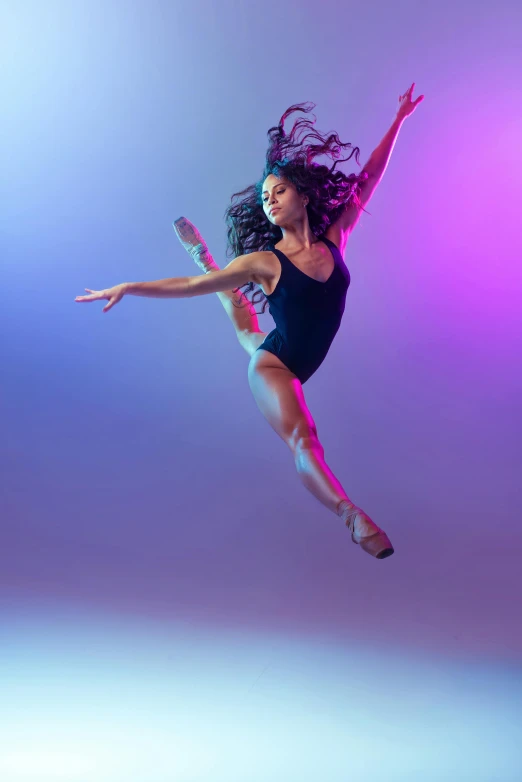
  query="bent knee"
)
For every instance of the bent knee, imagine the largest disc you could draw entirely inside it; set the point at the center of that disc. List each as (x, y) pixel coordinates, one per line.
(304, 439)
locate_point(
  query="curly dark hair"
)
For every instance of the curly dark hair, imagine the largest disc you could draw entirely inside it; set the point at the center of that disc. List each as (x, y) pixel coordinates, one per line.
(291, 155)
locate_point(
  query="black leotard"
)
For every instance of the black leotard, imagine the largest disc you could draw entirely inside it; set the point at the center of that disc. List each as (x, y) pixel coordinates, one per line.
(307, 314)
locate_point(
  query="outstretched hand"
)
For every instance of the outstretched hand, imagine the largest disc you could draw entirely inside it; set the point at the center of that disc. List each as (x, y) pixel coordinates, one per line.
(114, 295)
(406, 105)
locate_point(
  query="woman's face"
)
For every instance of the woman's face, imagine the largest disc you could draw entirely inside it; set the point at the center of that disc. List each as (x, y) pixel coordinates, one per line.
(281, 201)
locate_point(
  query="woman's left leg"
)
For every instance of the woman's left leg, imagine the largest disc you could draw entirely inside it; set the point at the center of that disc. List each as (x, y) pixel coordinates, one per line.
(238, 308)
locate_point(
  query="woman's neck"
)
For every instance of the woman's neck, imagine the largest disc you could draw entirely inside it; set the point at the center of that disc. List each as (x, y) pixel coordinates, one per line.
(299, 237)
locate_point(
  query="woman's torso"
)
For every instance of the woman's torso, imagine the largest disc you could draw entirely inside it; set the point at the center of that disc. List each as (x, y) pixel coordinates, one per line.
(308, 310)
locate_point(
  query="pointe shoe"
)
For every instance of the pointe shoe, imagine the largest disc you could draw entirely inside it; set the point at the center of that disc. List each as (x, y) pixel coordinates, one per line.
(194, 244)
(377, 544)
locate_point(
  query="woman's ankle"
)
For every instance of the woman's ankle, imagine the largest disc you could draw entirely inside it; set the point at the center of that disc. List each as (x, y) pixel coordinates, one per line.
(202, 258)
(345, 506)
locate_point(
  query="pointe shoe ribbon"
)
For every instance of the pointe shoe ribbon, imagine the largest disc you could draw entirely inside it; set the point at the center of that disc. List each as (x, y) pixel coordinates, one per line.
(377, 544)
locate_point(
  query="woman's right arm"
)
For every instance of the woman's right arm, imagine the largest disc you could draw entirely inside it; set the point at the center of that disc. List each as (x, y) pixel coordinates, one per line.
(243, 269)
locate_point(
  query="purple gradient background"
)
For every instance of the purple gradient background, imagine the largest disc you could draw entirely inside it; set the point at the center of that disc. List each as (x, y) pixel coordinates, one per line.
(139, 479)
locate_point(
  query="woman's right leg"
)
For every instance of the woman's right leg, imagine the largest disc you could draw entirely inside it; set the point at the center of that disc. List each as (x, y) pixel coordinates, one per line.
(238, 308)
(279, 397)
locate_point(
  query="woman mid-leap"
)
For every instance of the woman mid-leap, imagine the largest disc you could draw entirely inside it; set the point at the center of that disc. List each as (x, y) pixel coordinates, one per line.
(288, 233)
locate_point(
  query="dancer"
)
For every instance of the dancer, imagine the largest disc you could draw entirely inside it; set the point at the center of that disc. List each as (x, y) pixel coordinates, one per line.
(288, 233)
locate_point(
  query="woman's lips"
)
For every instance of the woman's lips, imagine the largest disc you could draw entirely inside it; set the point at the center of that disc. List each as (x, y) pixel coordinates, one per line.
(275, 209)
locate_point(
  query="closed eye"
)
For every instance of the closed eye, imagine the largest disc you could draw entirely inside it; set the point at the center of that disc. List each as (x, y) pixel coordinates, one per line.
(278, 193)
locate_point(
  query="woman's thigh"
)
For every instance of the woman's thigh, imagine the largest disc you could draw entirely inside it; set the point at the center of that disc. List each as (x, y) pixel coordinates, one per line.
(280, 398)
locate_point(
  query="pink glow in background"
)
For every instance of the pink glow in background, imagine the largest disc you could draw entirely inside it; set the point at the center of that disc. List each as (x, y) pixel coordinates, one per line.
(175, 606)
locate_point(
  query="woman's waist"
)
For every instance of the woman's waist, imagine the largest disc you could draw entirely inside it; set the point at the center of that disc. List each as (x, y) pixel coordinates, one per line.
(313, 336)
(308, 323)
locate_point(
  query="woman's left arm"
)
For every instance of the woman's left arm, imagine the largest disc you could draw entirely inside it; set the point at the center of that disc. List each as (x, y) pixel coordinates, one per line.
(379, 159)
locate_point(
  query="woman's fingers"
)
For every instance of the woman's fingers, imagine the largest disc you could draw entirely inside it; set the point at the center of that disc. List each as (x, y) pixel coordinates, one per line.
(114, 295)
(408, 93)
(111, 304)
(406, 103)
(93, 295)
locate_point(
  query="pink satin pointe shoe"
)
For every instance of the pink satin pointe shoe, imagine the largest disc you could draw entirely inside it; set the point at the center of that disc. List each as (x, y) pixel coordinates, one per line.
(377, 544)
